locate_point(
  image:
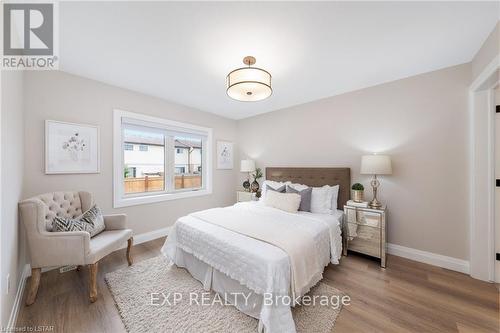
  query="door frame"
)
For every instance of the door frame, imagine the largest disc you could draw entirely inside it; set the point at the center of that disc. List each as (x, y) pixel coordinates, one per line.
(482, 173)
(496, 278)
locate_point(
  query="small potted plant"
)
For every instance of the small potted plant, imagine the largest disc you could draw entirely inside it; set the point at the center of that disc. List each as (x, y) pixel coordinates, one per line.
(256, 176)
(357, 190)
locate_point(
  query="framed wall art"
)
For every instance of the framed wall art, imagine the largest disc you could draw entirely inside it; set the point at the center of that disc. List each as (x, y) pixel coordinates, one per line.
(225, 158)
(71, 148)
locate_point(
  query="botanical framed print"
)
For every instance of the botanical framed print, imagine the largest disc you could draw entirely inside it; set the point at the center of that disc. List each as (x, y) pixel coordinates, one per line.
(224, 155)
(71, 148)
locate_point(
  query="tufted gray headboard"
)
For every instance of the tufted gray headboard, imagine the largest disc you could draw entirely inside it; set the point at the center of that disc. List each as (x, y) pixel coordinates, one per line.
(316, 177)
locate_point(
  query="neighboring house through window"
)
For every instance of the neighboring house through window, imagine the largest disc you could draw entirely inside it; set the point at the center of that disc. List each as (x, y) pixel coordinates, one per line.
(171, 162)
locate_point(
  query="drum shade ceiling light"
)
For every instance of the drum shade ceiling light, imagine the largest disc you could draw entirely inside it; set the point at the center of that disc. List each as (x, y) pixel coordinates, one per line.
(249, 84)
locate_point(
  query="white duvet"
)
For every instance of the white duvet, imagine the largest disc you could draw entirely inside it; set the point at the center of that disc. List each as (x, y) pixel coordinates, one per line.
(260, 266)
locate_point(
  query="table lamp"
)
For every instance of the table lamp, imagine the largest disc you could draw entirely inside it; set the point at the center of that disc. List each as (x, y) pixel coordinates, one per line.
(247, 166)
(375, 165)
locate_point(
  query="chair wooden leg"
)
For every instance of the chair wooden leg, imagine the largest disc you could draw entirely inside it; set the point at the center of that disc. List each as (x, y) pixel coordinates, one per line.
(34, 283)
(93, 282)
(129, 247)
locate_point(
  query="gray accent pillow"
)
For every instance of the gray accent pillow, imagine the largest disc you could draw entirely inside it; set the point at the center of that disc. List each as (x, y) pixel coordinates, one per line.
(91, 221)
(305, 197)
(280, 189)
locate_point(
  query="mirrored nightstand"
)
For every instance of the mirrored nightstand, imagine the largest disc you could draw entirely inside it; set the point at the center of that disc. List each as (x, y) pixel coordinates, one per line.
(364, 231)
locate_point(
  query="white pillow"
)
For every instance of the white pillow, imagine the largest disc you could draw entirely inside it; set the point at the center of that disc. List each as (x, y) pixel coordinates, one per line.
(321, 200)
(335, 196)
(289, 202)
(272, 184)
(299, 187)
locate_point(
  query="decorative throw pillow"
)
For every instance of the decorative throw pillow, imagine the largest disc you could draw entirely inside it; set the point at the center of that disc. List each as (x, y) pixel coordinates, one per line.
(289, 202)
(91, 221)
(305, 197)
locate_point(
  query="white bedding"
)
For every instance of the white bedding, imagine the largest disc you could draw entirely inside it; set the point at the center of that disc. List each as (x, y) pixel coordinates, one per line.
(259, 266)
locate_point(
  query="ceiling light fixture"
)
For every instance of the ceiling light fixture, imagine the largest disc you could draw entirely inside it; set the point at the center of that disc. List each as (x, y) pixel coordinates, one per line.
(249, 84)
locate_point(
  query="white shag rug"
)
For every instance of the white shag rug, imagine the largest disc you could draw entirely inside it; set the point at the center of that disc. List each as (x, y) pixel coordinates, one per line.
(140, 292)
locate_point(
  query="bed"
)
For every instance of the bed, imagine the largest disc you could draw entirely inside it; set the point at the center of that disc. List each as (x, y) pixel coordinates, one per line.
(234, 264)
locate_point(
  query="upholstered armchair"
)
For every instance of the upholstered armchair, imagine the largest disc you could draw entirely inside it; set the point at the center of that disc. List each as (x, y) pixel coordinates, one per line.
(49, 249)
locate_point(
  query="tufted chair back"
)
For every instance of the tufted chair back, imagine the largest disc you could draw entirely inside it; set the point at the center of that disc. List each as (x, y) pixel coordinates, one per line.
(61, 204)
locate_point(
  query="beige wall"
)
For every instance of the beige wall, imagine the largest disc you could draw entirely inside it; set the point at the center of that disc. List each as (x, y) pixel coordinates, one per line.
(12, 160)
(65, 97)
(420, 121)
(488, 51)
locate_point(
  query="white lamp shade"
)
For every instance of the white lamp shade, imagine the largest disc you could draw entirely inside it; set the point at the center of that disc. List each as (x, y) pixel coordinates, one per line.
(376, 165)
(247, 166)
(249, 84)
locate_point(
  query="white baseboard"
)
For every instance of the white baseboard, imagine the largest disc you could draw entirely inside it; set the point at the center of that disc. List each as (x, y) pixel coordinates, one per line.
(149, 236)
(152, 235)
(19, 297)
(430, 258)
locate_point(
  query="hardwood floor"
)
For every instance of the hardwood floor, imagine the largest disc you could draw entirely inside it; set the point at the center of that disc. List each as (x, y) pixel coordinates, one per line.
(406, 297)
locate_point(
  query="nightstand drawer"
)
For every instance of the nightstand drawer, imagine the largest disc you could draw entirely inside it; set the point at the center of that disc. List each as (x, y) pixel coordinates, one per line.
(371, 219)
(365, 239)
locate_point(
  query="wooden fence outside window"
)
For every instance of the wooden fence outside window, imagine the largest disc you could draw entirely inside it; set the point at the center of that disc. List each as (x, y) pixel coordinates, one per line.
(152, 184)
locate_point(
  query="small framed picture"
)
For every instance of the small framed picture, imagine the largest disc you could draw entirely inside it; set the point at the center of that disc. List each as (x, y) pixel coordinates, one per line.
(71, 148)
(224, 155)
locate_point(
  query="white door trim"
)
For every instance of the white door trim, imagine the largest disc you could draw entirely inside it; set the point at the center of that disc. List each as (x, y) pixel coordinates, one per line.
(493, 142)
(482, 259)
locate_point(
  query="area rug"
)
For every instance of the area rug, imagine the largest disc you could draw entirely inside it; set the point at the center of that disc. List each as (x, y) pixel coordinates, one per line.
(147, 297)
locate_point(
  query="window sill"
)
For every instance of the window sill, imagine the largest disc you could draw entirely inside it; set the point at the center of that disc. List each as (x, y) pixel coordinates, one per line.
(148, 199)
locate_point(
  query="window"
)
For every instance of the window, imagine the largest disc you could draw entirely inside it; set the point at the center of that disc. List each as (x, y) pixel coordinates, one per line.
(172, 161)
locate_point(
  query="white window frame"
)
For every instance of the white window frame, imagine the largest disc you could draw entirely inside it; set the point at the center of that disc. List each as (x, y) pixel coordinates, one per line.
(120, 199)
